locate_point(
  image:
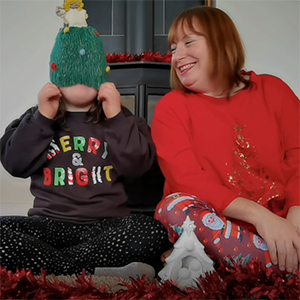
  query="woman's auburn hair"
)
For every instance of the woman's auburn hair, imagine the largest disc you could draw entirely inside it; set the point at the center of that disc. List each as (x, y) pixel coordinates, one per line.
(227, 55)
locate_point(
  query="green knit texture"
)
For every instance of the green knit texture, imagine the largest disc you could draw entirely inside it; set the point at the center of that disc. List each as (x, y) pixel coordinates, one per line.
(78, 58)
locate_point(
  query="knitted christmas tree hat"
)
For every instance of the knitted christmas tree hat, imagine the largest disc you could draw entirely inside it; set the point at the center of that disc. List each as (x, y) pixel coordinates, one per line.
(77, 56)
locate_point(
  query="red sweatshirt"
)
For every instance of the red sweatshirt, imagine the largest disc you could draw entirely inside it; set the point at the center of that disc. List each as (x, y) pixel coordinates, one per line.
(219, 149)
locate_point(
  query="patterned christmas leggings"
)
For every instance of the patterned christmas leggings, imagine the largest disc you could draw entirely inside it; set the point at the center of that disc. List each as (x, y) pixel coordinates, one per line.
(220, 237)
(66, 248)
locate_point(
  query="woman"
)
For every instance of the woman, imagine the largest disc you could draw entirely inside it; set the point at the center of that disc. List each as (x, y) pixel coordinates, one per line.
(230, 138)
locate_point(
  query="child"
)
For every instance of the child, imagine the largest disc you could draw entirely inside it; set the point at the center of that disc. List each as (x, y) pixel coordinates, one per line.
(79, 145)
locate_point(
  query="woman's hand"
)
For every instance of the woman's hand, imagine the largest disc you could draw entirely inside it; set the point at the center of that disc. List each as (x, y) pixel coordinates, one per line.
(293, 216)
(49, 98)
(111, 99)
(282, 240)
(279, 233)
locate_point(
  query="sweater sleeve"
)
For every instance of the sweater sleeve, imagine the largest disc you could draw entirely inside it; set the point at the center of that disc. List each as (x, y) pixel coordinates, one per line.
(25, 143)
(130, 144)
(288, 116)
(177, 160)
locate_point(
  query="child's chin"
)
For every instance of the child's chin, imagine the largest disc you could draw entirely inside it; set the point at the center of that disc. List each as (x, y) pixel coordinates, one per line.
(79, 93)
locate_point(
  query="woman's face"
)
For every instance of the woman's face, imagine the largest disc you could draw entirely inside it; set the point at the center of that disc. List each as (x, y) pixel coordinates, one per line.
(190, 59)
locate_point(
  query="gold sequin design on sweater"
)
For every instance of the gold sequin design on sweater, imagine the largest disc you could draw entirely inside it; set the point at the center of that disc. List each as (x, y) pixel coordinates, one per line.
(247, 174)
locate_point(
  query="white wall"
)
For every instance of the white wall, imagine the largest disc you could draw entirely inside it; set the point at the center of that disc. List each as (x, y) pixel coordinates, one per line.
(28, 30)
(269, 29)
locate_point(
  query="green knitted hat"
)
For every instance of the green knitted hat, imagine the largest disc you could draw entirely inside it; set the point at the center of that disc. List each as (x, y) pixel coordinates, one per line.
(78, 58)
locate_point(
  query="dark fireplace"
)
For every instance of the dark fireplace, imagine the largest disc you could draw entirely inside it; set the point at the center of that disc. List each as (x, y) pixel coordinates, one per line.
(141, 85)
(134, 27)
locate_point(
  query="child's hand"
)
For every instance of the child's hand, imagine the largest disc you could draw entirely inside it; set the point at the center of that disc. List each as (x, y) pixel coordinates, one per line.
(49, 98)
(111, 99)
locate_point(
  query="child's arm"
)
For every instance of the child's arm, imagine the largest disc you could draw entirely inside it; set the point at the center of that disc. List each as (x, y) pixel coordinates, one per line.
(25, 143)
(128, 137)
(130, 144)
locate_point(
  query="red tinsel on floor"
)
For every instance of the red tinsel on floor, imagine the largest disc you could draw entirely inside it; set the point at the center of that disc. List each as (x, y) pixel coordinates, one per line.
(145, 56)
(250, 282)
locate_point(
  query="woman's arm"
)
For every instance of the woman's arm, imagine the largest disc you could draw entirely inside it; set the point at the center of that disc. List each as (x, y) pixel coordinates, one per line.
(293, 216)
(288, 119)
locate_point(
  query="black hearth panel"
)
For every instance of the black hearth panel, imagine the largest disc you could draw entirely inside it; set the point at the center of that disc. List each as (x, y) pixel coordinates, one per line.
(135, 26)
(141, 85)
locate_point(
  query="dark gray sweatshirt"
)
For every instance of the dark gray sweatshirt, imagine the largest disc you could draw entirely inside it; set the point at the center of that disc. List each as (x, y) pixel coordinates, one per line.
(77, 171)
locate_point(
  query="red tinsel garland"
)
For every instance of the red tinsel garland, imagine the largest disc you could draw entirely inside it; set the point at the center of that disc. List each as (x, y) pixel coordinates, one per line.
(145, 56)
(250, 282)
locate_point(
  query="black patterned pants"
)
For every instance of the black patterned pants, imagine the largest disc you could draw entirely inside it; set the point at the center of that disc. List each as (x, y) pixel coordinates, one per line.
(62, 248)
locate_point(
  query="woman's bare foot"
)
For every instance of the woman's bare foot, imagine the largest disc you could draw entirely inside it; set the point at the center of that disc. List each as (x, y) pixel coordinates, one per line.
(165, 255)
